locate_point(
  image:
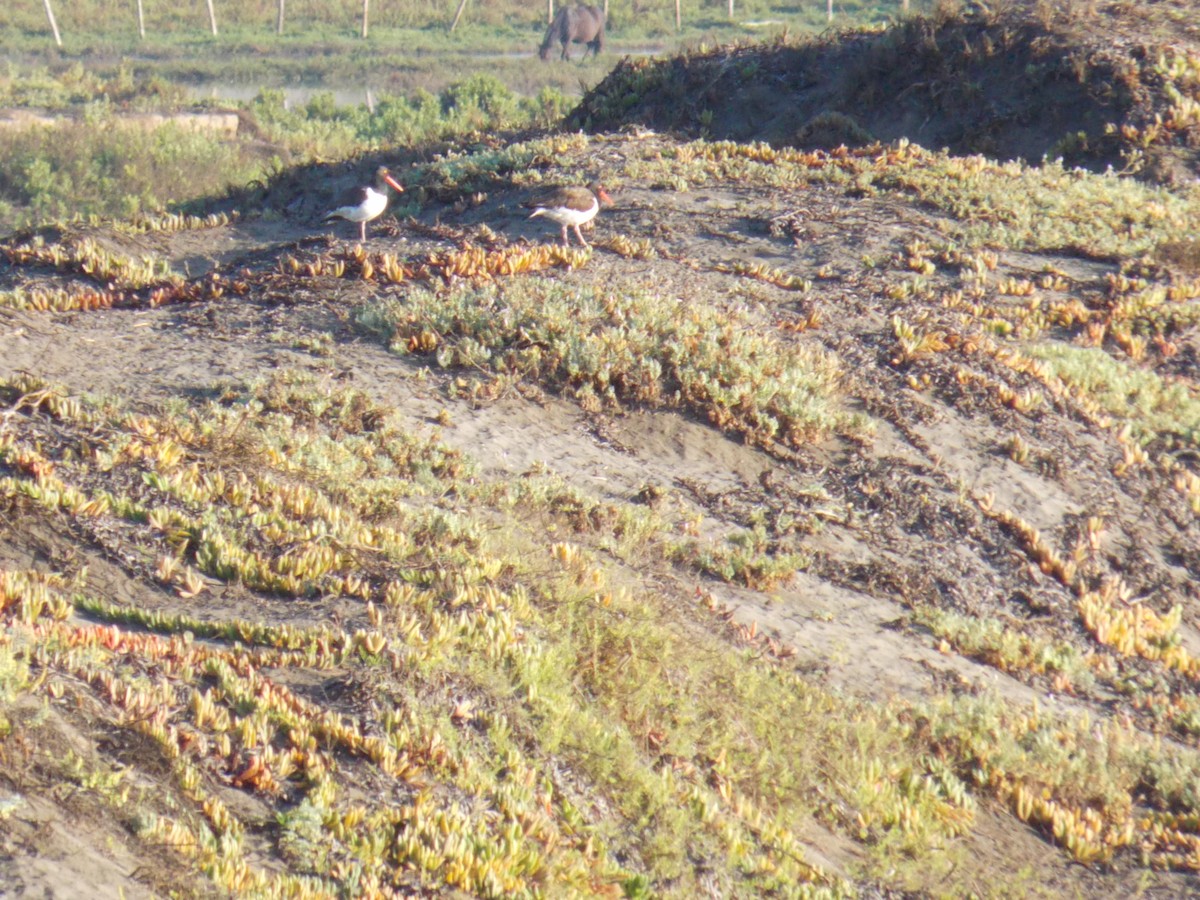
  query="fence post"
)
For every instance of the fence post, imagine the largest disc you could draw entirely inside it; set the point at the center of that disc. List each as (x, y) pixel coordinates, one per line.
(141, 21)
(212, 17)
(53, 24)
(279, 19)
(462, 4)
(366, 25)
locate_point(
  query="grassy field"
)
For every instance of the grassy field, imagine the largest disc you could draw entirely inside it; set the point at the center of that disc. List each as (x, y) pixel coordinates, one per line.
(409, 47)
(828, 529)
(95, 23)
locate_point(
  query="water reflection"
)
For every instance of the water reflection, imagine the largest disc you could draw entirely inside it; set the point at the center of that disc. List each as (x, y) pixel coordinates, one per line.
(352, 95)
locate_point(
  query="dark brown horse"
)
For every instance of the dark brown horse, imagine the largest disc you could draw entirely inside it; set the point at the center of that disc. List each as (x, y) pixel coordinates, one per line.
(575, 25)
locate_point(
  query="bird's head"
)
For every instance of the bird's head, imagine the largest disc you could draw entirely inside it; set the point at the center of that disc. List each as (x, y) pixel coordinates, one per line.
(601, 194)
(383, 176)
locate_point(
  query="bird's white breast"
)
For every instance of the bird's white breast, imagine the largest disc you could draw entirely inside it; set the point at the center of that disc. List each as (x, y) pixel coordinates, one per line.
(564, 215)
(373, 203)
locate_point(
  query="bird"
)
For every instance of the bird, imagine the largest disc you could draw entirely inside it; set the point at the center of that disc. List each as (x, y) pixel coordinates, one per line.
(362, 204)
(570, 207)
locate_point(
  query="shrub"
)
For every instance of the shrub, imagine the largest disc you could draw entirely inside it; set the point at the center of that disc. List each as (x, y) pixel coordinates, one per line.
(103, 168)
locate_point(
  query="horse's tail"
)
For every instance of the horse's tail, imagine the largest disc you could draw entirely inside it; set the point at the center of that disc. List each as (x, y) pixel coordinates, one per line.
(598, 43)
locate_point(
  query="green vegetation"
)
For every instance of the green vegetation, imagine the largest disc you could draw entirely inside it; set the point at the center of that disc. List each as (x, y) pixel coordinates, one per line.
(344, 652)
(1127, 391)
(994, 204)
(487, 654)
(100, 163)
(1007, 649)
(322, 129)
(100, 167)
(420, 28)
(612, 350)
(508, 618)
(79, 87)
(409, 47)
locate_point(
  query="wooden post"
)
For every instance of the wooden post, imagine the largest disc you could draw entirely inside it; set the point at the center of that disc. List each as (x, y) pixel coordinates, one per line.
(53, 24)
(829, 9)
(212, 17)
(549, 11)
(731, 9)
(678, 16)
(279, 19)
(904, 5)
(462, 4)
(366, 20)
(141, 20)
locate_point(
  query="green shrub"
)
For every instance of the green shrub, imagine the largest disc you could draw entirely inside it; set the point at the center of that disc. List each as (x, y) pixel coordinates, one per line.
(103, 168)
(483, 96)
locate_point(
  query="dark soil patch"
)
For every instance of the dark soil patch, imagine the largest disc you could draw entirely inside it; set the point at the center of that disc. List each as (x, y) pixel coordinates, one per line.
(1007, 86)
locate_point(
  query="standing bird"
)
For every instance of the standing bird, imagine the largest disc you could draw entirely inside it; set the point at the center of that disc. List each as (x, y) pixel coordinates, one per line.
(362, 204)
(570, 207)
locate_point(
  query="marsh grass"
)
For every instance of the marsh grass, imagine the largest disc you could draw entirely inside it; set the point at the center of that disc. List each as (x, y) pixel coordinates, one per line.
(1050, 207)
(14, 682)
(80, 86)
(1000, 645)
(986, 204)
(554, 647)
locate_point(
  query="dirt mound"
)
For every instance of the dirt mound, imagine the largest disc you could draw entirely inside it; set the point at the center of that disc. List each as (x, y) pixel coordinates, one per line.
(1100, 90)
(830, 526)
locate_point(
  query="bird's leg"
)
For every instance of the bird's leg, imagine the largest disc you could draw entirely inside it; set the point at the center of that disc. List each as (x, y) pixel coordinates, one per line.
(566, 240)
(579, 234)
(363, 229)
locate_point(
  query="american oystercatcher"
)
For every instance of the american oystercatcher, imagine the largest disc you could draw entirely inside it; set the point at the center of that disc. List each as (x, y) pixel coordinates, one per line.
(362, 204)
(570, 207)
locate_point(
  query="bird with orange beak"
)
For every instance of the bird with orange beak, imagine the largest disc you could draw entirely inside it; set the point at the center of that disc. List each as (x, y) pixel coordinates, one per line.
(362, 204)
(570, 207)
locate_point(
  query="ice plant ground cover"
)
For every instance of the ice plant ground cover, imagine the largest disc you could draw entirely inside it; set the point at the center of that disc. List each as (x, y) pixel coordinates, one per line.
(829, 528)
